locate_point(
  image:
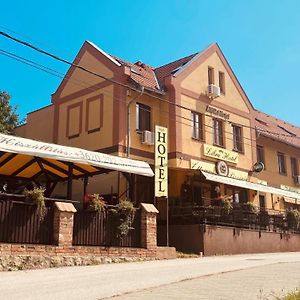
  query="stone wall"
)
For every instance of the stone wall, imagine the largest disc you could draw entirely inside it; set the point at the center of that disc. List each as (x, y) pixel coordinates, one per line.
(21, 257)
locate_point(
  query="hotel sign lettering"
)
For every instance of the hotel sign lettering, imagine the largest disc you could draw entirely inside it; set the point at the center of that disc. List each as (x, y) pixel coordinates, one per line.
(211, 168)
(217, 112)
(161, 161)
(220, 153)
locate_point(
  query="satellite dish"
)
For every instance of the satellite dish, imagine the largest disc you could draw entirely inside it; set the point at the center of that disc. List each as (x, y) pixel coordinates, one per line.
(258, 167)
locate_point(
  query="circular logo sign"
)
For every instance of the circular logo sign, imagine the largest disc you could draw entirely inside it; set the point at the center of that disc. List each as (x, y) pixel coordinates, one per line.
(222, 168)
(258, 167)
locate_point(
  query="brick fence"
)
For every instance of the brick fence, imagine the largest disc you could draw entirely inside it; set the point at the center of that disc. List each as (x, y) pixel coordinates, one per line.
(28, 256)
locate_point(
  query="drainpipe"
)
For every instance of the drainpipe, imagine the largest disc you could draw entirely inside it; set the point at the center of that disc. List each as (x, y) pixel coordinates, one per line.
(128, 130)
(128, 120)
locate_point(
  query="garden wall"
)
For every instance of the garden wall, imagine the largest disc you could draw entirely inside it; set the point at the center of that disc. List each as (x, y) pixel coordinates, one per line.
(218, 240)
(63, 253)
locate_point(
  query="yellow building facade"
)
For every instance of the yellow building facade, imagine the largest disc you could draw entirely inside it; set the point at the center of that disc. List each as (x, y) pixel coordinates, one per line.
(216, 137)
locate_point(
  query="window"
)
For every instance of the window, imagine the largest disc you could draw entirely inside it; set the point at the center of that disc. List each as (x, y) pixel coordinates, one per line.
(222, 82)
(262, 202)
(143, 117)
(218, 132)
(197, 120)
(281, 163)
(237, 138)
(294, 167)
(211, 79)
(260, 153)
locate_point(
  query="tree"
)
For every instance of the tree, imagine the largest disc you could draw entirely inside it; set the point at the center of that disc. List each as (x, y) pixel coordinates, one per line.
(9, 118)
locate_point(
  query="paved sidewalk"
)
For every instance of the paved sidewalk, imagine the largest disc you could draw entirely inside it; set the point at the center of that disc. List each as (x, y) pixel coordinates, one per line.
(265, 282)
(96, 282)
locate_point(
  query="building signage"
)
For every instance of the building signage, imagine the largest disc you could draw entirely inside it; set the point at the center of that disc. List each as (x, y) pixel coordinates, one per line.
(289, 188)
(262, 182)
(290, 200)
(211, 168)
(161, 161)
(217, 112)
(220, 153)
(222, 168)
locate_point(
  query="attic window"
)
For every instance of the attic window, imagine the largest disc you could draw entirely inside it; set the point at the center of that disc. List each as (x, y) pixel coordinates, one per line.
(134, 71)
(175, 70)
(261, 121)
(287, 131)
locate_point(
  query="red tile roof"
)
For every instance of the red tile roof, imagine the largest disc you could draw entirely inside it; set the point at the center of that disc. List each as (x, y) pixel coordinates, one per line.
(153, 78)
(166, 70)
(266, 125)
(142, 74)
(277, 129)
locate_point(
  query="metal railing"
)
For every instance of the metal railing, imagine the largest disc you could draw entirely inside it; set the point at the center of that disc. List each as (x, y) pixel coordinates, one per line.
(100, 229)
(21, 223)
(238, 216)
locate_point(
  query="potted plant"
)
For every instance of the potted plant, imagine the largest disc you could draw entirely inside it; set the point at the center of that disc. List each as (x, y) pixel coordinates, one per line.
(37, 197)
(251, 208)
(227, 204)
(125, 213)
(95, 203)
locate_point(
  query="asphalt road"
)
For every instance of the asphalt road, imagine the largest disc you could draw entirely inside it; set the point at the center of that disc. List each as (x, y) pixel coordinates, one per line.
(264, 282)
(96, 282)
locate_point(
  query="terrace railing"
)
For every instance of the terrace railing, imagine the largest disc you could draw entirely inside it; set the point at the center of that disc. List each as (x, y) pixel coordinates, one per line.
(21, 223)
(100, 229)
(264, 219)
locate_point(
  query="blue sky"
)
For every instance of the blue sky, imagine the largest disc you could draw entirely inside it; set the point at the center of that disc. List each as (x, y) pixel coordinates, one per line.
(260, 39)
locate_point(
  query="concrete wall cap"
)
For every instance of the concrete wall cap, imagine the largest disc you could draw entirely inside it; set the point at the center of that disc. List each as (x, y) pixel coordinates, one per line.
(65, 207)
(150, 208)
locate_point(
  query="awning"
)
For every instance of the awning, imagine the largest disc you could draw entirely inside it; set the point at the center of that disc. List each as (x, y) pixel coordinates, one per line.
(250, 185)
(26, 158)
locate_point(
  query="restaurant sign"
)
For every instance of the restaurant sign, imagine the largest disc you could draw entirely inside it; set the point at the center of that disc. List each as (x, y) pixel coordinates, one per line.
(211, 168)
(161, 161)
(220, 153)
(289, 188)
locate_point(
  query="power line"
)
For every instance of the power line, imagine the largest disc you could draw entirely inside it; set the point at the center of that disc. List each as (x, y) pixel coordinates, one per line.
(61, 75)
(122, 84)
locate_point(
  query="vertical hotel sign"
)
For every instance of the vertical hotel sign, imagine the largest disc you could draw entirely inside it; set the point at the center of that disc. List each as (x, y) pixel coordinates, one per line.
(161, 161)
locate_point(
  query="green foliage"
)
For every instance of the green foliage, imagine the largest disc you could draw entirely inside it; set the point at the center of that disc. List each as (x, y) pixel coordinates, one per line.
(9, 118)
(251, 208)
(293, 218)
(37, 197)
(227, 204)
(97, 203)
(292, 296)
(125, 212)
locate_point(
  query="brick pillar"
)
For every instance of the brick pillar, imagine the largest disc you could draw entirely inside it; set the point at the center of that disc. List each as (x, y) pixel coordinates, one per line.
(63, 223)
(148, 226)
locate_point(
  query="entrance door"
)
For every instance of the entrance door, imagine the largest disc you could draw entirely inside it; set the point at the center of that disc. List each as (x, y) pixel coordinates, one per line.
(197, 195)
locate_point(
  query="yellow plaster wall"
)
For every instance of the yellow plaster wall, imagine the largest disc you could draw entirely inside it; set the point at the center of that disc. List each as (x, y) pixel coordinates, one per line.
(81, 79)
(197, 82)
(39, 125)
(92, 141)
(193, 147)
(271, 173)
(159, 116)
